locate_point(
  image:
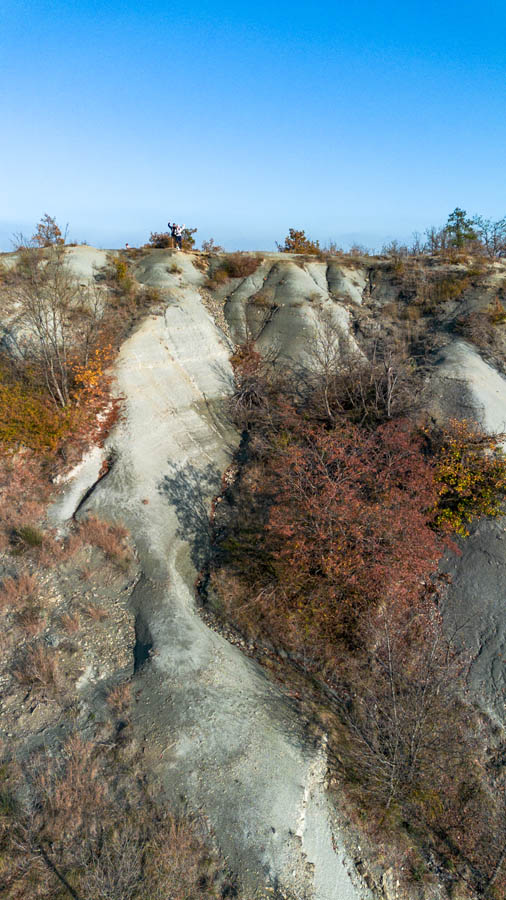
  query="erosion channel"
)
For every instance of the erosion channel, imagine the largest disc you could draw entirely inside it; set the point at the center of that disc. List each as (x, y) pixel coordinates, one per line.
(212, 725)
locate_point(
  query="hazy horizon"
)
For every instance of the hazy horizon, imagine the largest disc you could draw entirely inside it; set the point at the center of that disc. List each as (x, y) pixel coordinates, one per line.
(358, 125)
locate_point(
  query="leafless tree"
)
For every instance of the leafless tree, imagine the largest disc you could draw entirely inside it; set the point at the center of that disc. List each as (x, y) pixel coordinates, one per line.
(402, 710)
(57, 317)
(344, 379)
(492, 235)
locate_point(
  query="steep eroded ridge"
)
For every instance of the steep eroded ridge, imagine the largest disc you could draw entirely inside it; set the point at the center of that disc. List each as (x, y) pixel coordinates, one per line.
(212, 725)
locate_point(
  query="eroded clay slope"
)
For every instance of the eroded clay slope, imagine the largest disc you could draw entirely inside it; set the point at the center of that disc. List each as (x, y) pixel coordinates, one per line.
(211, 724)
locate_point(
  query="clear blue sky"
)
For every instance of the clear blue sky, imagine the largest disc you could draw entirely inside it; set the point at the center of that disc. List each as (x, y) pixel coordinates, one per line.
(354, 121)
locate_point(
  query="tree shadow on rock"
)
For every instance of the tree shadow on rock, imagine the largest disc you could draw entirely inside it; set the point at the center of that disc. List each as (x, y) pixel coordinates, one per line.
(189, 490)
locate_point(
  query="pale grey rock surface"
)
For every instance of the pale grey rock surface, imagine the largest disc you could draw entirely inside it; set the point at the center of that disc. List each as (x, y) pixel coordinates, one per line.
(280, 306)
(465, 386)
(211, 724)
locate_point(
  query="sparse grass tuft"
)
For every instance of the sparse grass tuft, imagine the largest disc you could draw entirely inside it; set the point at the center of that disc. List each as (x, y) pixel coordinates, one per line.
(27, 537)
(95, 613)
(16, 593)
(119, 698)
(30, 619)
(70, 622)
(37, 668)
(110, 539)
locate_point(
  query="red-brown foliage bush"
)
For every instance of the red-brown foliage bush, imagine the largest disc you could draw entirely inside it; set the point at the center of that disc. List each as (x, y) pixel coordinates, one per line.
(336, 522)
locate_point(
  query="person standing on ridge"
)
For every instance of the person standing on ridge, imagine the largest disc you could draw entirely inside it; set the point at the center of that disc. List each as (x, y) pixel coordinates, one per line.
(172, 233)
(179, 236)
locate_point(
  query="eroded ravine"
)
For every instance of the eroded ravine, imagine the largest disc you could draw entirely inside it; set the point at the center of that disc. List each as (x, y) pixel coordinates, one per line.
(211, 724)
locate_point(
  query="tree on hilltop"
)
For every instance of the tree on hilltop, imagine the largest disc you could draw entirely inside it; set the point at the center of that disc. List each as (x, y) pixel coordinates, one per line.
(460, 228)
(48, 233)
(297, 242)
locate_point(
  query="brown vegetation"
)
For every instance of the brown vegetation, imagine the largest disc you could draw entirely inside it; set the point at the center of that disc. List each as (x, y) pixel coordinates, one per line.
(483, 327)
(232, 265)
(75, 826)
(119, 698)
(297, 242)
(16, 592)
(36, 668)
(211, 246)
(328, 551)
(110, 539)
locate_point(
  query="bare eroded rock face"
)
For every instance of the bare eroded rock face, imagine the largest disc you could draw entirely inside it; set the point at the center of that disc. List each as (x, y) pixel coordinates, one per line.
(212, 725)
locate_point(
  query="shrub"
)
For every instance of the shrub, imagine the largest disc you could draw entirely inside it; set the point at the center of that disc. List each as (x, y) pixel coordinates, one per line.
(119, 698)
(211, 247)
(470, 476)
(234, 265)
(480, 326)
(344, 381)
(336, 521)
(121, 275)
(448, 287)
(240, 265)
(161, 240)
(297, 242)
(61, 319)
(28, 417)
(24, 491)
(188, 239)
(71, 826)
(496, 312)
(149, 296)
(219, 277)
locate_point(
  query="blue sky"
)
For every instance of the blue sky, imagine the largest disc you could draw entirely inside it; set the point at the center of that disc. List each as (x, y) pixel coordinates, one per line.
(243, 119)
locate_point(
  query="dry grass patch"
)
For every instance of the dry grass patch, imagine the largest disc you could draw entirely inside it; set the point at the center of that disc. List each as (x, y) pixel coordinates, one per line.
(31, 620)
(110, 539)
(69, 827)
(17, 592)
(119, 698)
(70, 622)
(37, 668)
(95, 613)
